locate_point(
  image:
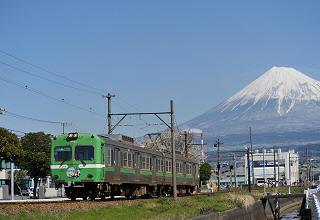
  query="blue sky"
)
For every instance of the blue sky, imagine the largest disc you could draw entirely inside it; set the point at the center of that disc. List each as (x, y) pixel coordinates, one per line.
(197, 53)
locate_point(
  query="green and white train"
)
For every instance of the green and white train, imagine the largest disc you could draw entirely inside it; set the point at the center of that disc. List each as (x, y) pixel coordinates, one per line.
(96, 166)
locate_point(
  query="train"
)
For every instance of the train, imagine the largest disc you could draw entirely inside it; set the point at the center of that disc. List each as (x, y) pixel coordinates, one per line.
(91, 166)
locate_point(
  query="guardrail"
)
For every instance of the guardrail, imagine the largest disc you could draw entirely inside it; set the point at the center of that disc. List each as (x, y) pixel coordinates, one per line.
(313, 195)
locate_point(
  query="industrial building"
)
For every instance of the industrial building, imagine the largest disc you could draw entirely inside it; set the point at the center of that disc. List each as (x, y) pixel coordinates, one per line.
(273, 167)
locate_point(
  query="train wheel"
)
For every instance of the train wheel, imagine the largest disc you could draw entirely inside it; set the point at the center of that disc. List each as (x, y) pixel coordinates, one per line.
(84, 198)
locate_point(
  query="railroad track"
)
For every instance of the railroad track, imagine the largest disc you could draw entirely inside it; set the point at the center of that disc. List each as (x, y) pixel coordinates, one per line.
(66, 200)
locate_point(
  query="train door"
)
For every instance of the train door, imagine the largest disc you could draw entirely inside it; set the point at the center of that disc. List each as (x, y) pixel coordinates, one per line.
(154, 169)
(137, 166)
(117, 164)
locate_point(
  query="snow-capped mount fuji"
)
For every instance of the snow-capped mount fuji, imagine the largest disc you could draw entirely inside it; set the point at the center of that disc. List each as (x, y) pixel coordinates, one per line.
(282, 100)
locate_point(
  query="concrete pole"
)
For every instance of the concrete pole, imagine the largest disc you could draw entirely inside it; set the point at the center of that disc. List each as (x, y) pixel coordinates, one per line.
(264, 174)
(248, 164)
(12, 181)
(289, 175)
(173, 149)
(234, 170)
(218, 165)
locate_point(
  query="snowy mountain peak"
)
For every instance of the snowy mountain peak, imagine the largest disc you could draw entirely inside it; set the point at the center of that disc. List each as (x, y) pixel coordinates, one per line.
(284, 86)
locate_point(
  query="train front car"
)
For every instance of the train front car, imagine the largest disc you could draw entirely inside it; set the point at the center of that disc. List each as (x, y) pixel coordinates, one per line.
(77, 162)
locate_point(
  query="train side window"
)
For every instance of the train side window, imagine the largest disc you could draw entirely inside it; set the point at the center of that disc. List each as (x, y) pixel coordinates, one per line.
(136, 162)
(168, 166)
(158, 168)
(178, 167)
(147, 166)
(110, 156)
(143, 162)
(112, 162)
(130, 159)
(162, 165)
(116, 155)
(125, 159)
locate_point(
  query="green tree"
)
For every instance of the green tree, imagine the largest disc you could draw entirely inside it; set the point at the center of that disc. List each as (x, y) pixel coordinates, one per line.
(9, 145)
(205, 172)
(35, 156)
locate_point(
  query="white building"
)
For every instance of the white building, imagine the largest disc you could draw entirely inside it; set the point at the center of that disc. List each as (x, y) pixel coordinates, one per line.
(270, 166)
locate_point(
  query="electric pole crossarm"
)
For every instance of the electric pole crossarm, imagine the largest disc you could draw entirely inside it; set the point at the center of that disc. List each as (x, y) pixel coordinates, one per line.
(116, 125)
(140, 113)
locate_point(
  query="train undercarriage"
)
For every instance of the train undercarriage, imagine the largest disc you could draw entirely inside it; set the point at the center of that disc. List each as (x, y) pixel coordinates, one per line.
(130, 191)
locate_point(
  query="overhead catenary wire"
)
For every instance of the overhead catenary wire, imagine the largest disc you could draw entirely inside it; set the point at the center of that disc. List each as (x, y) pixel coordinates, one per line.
(29, 118)
(51, 72)
(21, 85)
(47, 79)
(88, 88)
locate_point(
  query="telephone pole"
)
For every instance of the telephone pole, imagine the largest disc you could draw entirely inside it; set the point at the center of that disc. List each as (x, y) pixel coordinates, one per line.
(108, 97)
(289, 175)
(251, 156)
(274, 167)
(264, 174)
(248, 164)
(307, 161)
(234, 170)
(186, 144)
(64, 124)
(217, 144)
(173, 149)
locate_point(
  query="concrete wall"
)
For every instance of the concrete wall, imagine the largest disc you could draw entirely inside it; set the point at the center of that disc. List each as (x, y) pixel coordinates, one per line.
(4, 192)
(253, 212)
(285, 204)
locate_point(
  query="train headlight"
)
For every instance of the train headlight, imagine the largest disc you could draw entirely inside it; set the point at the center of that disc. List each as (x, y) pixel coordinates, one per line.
(72, 136)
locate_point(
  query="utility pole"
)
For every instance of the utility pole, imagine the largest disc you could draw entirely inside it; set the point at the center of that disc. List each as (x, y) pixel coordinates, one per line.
(234, 170)
(186, 144)
(64, 124)
(109, 96)
(253, 181)
(274, 167)
(12, 181)
(278, 157)
(248, 164)
(264, 174)
(217, 144)
(307, 161)
(230, 173)
(173, 149)
(202, 149)
(289, 175)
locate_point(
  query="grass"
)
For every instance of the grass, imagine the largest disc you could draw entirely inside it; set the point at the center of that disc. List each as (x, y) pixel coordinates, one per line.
(258, 192)
(162, 208)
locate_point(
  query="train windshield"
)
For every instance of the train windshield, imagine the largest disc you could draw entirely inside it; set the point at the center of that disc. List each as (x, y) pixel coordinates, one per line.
(62, 153)
(84, 153)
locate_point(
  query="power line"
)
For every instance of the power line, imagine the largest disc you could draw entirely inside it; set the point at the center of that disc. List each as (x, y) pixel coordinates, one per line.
(29, 118)
(51, 72)
(92, 89)
(48, 96)
(47, 79)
